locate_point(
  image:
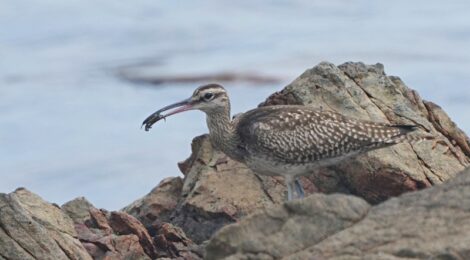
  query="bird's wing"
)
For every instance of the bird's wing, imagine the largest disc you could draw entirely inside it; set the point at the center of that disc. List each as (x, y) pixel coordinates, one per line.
(297, 134)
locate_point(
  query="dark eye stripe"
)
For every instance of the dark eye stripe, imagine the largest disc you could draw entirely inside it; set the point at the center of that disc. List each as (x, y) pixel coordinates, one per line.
(206, 98)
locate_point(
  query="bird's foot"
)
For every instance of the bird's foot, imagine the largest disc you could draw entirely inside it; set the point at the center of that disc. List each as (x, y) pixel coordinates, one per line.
(299, 189)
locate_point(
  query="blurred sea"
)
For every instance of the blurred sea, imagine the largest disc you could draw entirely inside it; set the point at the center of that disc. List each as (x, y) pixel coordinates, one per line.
(70, 127)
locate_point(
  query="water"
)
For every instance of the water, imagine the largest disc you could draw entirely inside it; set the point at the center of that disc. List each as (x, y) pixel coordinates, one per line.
(70, 127)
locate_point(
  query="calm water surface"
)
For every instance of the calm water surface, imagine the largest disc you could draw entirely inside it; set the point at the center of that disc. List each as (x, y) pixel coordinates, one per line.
(70, 127)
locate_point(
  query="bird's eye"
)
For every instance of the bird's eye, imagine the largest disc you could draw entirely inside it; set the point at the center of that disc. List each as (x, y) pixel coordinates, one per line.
(208, 96)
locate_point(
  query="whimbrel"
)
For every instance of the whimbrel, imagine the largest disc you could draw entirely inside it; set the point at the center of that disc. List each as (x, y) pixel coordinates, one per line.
(286, 140)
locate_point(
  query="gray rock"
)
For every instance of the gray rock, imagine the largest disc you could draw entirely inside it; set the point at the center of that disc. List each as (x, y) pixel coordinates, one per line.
(158, 204)
(217, 191)
(78, 209)
(286, 229)
(430, 224)
(366, 92)
(31, 228)
(216, 195)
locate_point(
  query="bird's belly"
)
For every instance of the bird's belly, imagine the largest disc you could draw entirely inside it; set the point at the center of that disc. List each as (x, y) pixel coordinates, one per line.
(266, 166)
(273, 168)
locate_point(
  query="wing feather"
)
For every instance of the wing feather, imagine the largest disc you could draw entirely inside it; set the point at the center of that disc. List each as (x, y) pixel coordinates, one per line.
(297, 134)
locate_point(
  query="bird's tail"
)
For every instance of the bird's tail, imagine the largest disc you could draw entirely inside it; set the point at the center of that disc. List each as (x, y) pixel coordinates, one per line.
(407, 134)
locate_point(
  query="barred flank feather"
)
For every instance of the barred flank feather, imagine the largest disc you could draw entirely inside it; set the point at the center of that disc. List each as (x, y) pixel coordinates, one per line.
(407, 136)
(418, 138)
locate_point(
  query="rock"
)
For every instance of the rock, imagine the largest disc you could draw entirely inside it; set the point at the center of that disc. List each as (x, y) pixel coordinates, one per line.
(365, 92)
(78, 209)
(125, 224)
(126, 247)
(118, 235)
(355, 90)
(173, 243)
(31, 228)
(430, 224)
(154, 210)
(158, 204)
(217, 191)
(114, 235)
(99, 220)
(179, 217)
(214, 196)
(281, 231)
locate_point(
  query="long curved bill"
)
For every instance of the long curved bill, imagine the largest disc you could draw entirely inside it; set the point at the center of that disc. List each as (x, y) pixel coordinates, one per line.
(157, 116)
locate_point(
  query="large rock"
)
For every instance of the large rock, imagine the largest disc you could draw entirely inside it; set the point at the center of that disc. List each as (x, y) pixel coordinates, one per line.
(216, 195)
(31, 228)
(217, 191)
(118, 235)
(283, 230)
(158, 204)
(179, 216)
(429, 224)
(110, 235)
(366, 92)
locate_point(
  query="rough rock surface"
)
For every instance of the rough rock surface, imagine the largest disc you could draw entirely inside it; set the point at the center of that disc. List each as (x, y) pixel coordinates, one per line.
(105, 235)
(213, 196)
(31, 228)
(429, 224)
(118, 235)
(159, 203)
(366, 92)
(283, 230)
(179, 216)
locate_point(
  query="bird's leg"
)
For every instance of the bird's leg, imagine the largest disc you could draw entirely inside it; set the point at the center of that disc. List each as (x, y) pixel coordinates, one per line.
(299, 189)
(290, 187)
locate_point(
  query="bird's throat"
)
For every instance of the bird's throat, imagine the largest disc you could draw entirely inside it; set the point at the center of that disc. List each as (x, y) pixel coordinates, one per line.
(221, 131)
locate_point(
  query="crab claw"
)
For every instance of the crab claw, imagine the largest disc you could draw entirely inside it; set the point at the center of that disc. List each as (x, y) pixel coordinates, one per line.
(157, 116)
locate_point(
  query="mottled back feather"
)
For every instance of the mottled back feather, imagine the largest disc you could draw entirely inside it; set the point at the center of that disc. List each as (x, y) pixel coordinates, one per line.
(301, 134)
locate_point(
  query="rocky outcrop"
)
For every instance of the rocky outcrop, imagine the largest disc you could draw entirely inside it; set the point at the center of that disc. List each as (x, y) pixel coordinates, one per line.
(217, 191)
(118, 235)
(429, 224)
(214, 196)
(366, 92)
(110, 235)
(287, 229)
(31, 228)
(158, 205)
(179, 216)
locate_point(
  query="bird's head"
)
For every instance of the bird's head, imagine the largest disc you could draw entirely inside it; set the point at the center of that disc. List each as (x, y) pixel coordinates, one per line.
(209, 98)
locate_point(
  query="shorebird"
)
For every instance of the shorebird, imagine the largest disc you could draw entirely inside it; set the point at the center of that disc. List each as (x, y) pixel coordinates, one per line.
(286, 140)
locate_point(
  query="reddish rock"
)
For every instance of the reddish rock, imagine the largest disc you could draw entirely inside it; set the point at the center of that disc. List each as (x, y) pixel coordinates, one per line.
(126, 247)
(100, 221)
(172, 242)
(115, 235)
(125, 224)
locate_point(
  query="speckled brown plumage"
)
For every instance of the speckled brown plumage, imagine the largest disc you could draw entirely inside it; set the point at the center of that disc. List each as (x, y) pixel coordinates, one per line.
(290, 140)
(300, 134)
